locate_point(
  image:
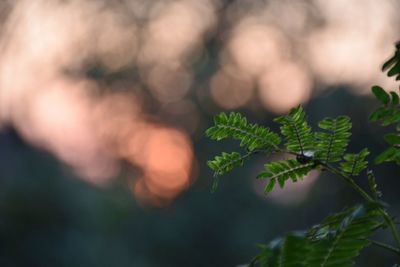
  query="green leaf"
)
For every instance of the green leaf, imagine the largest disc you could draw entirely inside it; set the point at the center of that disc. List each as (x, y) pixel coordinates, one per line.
(355, 163)
(294, 247)
(394, 70)
(395, 98)
(251, 136)
(344, 235)
(296, 130)
(270, 185)
(281, 171)
(386, 114)
(288, 251)
(264, 257)
(392, 138)
(392, 117)
(380, 94)
(331, 145)
(336, 242)
(390, 154)
(390, 62)
(223, 164)
(380, 113)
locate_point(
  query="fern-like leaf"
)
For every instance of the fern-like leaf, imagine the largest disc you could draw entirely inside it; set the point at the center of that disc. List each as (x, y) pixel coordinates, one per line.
(390, 154)
(355, 163)
(223, 164)
(280, 171)
(393, 64)
(288, 251)
(296, 131)
(388, 114)
(331, 145)
(334, 243)
(263, 258)
(348, 233)
(294, 247)
(251, 136)
(328, 228)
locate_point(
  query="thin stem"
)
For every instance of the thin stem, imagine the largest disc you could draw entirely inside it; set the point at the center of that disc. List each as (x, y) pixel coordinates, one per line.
(385, 246)
(242, 157)
(388, 219)
(392, 225)
(350, 181)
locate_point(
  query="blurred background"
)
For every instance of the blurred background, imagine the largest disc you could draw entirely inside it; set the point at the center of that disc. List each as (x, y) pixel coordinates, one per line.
(104, 104)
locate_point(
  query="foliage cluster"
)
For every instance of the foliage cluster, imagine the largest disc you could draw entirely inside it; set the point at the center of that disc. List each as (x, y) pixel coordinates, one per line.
(338, 239)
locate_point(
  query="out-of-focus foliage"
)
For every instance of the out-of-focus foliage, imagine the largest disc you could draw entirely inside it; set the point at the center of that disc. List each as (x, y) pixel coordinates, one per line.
(392, 66)
(335, 242)
(389, 112)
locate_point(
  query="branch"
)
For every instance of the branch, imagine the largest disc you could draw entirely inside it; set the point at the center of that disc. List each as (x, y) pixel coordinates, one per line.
(385, 246)
(388, 219)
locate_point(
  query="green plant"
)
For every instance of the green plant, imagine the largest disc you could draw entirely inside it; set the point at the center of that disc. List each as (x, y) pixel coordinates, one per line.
(338, 239)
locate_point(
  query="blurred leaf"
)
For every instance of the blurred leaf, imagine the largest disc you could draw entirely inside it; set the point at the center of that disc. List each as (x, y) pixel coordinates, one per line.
(379, 114)
(394, 70)
(380, 94)
(390, 62)
(392, 138)
(392, 116)
(334, 243)
(395, 98)
(270, 185)
(390, 154)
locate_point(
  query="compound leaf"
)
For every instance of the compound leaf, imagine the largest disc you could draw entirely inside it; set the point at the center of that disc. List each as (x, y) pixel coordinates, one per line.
(251, 136)
(355, 163)
(341, 237)
(223, 164)
(331, 145)
(296, 130)
(281, 171)
(336, 242)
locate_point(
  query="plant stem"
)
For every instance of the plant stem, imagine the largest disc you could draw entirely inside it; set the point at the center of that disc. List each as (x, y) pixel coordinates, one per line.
(392, 225)
(388, 219)
(386, 246)
(350, 181)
